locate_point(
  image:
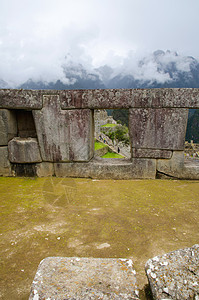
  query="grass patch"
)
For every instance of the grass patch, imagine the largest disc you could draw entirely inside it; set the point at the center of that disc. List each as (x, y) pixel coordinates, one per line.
(109, 125)
(112, 155)
(99, 145)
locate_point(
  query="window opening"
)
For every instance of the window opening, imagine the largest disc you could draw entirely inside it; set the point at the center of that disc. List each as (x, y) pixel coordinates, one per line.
(111, 133)
(192, 134)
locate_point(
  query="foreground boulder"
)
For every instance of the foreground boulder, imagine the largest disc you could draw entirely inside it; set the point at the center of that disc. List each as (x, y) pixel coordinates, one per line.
(84, 278)
(175, 275)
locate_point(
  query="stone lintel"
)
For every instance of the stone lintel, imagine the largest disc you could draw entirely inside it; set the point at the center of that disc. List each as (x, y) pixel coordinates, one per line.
(20, 99)
(158, 128)
(96, 99)
(151, 153)
(166, 98)
(8, 126)
(85, 278)
(24, 150)
(175, 275)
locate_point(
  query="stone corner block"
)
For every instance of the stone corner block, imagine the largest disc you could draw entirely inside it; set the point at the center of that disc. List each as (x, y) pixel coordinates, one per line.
(172, 167)
(24, 150)
(5, 167)
(8, 126)
(175, 275)
(45, 169)
(84, 278)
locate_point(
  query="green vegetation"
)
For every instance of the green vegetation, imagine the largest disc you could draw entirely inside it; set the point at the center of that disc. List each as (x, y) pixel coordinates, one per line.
(99, 145)
(112, 155)
(120, 134)
(121, 115)
(109, 125)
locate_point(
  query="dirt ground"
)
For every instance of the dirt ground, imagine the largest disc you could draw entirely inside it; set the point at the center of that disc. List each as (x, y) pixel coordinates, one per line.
(135, 219)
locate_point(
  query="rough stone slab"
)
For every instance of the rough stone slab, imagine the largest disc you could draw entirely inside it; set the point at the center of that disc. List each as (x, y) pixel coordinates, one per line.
(163, 128)
(177, 97)
(5, 168)
(63, 135)
(8, 126)
(20, 99)
(23, 150)
(175, 275)
(114, 168)
(84, 278)
(45, 169)
(191, 169)
(94, 99)
(151, 153)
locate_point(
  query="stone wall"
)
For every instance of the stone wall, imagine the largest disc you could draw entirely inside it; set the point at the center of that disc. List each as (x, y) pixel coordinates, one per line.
(52, 132)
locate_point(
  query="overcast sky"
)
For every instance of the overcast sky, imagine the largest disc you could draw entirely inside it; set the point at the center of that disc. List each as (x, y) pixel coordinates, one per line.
(37, 36)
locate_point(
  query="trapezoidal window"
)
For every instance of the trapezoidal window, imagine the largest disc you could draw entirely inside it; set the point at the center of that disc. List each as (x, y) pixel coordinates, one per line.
(111, 133)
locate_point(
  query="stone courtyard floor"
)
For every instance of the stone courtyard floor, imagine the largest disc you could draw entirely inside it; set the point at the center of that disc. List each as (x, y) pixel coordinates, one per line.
(135, 219)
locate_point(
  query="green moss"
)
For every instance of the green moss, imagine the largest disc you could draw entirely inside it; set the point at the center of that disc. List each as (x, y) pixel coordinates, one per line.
(112, 155)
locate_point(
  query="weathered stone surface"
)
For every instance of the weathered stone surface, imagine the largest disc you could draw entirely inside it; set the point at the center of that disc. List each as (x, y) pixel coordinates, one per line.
(84, 278)
(23, 150)
(151, 153)
(20, 99)
(63, 135)
(175, 275)
(95, 99)
(102, 168)
(81, 135)
(144, 168)
(8, 126)
(5, 168)
(45, 169)
(191, 169)
(158, 128)
(172, 167)
(151, 98)
(178, 167)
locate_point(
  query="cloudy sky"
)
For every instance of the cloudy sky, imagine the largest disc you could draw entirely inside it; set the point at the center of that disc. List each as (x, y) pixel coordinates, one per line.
(37, 37)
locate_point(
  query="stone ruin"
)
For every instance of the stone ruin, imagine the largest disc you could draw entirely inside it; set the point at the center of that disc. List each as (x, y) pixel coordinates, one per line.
(51, 133)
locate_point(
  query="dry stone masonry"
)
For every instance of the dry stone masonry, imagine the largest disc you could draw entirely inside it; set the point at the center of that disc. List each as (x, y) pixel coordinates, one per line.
(51, 132)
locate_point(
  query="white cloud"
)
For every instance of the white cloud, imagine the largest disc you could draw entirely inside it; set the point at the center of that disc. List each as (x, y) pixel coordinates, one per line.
(35, 36)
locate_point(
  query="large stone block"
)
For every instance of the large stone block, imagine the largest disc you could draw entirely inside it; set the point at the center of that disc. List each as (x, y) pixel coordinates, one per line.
(151, 98)
(5, 168)
(96, 99)
(163, 128)
(20, 99)
(175, 275)
(85, 278)
(23, 150)
(8, 126)
(64, 135)
(102, 168)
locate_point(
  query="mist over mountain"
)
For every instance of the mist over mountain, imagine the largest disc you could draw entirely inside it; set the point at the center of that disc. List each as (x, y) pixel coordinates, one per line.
(157, 70)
